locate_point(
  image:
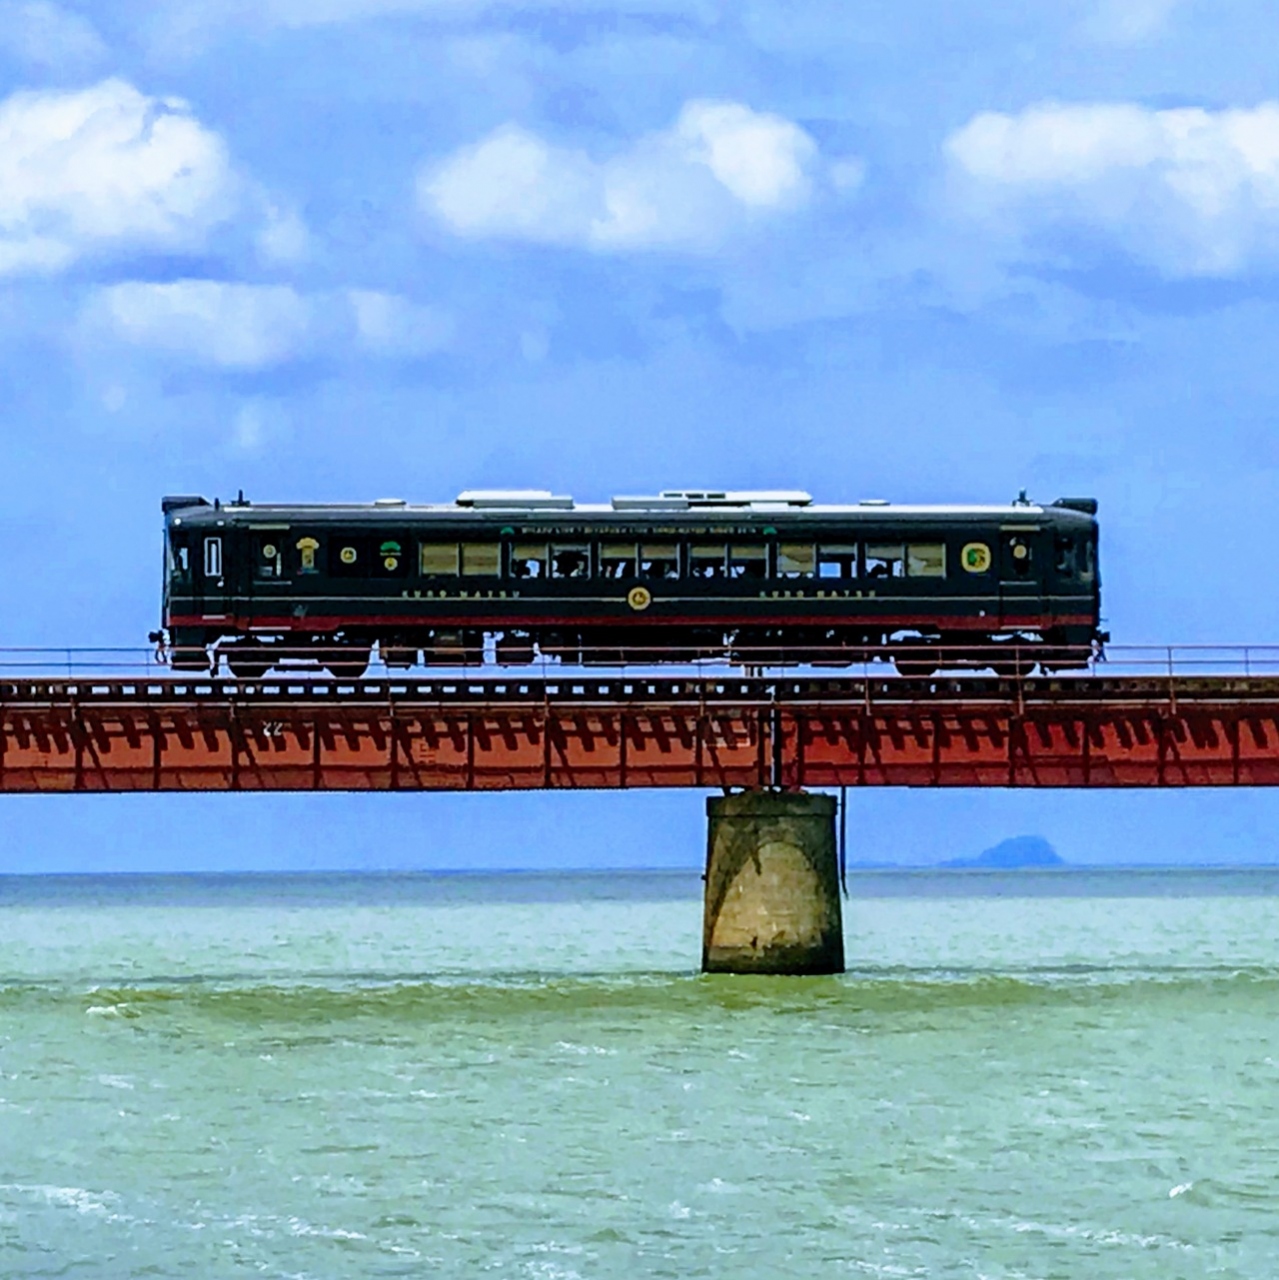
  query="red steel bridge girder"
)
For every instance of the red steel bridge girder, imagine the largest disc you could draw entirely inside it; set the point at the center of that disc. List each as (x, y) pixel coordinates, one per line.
(495, 734)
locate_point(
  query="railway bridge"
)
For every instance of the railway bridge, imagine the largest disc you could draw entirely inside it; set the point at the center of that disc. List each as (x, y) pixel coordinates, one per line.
(1157, 718)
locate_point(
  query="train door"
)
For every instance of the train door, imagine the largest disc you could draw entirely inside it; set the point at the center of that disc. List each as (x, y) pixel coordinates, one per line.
(209, 581)
(1020, 602)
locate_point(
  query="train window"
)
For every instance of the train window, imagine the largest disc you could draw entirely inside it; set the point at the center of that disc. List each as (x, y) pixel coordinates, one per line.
(481, 559)
(617, 560)
(269, 560)
(837, 561)
(1017, 556)
(747, 561)
(1087, 561)
(528, 560)
(307, 549)
(796, 560)
(390, 561)
(658, 560)
(570, 562)
(1065, 562)
(213, 557)
(707, 561)
(348, 557)
(180, 561)
(437, 559)
(885, 560)
(926, 560)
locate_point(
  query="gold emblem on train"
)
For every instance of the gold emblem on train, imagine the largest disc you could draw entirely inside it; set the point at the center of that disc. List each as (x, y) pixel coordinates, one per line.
(639, 598)
(975, 557)
(307, 547)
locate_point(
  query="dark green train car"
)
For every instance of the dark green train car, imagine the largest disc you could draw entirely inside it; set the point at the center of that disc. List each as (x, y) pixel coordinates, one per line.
(759, 578)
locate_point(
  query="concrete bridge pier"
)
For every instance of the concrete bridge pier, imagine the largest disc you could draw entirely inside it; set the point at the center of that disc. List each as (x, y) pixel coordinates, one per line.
(772, 885)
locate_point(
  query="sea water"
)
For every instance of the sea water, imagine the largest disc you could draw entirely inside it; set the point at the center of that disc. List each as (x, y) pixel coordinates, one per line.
(1041, 1075)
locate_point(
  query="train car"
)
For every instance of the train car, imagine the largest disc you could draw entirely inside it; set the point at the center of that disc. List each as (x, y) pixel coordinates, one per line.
(759, 578)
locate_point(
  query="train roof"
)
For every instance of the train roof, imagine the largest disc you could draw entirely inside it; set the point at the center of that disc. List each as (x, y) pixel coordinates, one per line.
(694, 506)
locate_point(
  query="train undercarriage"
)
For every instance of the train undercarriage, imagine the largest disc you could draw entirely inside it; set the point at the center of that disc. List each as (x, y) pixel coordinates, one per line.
(348, 654)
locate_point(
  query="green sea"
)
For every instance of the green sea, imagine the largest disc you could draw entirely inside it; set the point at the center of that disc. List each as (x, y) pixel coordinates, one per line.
(1027, 1075)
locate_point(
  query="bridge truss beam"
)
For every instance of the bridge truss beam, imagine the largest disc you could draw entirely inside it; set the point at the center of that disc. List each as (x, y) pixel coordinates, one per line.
(506, 734)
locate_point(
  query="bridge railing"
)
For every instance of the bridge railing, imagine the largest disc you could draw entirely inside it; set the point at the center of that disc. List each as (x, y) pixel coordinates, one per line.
(1247, 660)
(77, 660)
(1006, 659)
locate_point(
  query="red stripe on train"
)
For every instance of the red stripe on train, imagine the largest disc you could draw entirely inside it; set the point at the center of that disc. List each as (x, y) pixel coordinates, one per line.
(496, 622)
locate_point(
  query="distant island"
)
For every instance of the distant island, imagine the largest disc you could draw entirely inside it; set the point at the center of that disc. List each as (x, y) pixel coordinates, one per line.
(1019, 851)
(1008, 855)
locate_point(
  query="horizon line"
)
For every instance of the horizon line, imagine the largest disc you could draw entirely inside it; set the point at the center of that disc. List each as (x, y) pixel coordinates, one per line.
(852, 868)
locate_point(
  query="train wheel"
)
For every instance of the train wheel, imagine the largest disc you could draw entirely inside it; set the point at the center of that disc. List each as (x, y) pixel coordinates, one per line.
(514, 649)
(189, 658)
(347, 663)
(1013, 667)
(397, 656)
(917, 659)
(915, 668)
(248, 662)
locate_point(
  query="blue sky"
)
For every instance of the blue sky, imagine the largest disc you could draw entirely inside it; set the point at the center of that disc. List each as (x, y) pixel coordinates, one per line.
(347, 248)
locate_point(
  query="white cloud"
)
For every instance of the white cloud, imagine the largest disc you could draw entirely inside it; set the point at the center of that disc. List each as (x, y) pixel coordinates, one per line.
(314, 13)
(760, 158)
(284, 236)
(231, 326)
(1188, 191)
(257, 422)
(720, 167)
(47, 36)
(235, 326)
(847, 174)
(181, 29)
(388, 325)
(102, 168)
(307, 13)
(1128, 21)
(512, 184)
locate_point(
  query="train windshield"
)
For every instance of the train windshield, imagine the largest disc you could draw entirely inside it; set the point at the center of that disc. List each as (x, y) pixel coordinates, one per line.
(1075, 557)
(178, 559)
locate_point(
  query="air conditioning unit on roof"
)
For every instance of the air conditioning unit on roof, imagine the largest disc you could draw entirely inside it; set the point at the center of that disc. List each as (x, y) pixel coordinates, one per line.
(519, 499)
(741, 497)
